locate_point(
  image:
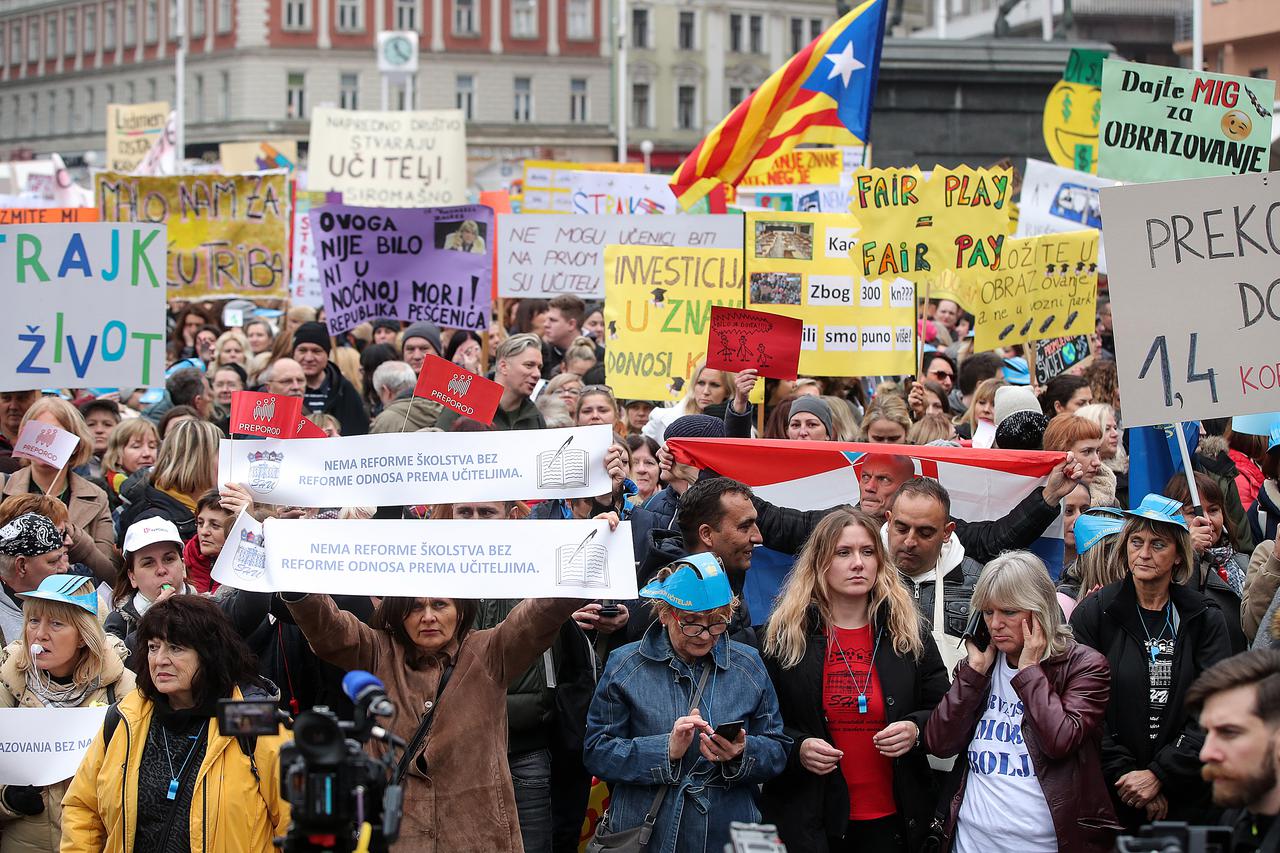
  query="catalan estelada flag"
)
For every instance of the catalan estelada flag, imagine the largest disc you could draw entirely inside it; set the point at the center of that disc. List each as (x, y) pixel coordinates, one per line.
(823, 94)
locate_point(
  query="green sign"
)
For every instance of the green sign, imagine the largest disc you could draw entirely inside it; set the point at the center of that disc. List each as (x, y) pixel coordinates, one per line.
(1084, 66)
(1162, 124)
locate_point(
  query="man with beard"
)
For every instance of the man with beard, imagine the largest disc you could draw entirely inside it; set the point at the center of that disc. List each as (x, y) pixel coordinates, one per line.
(1239, 702)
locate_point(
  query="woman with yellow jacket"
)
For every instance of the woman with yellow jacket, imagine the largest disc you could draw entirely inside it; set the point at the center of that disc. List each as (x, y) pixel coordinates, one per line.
(165, 778)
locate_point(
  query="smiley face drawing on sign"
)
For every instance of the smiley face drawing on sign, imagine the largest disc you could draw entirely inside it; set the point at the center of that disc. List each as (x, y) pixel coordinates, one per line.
(1071, 114)
(1237, 125)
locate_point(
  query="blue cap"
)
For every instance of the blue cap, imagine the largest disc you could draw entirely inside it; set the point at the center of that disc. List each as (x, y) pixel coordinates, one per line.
(1160, 508)
(1016, 371)
(1273, 438)
(1093, 526)
(62, 589)
(1256, 424)
(697, 584)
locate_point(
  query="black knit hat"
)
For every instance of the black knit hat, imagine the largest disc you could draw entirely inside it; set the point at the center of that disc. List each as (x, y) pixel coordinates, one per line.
(1022, 431)
(313, 333)
(694, 426)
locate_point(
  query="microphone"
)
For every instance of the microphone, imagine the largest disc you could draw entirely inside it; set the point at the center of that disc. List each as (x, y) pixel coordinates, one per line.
(36, 649)
(365, 688)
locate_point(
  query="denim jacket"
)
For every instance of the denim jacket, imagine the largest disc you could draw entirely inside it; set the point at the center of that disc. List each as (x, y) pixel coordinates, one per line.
(645, 687)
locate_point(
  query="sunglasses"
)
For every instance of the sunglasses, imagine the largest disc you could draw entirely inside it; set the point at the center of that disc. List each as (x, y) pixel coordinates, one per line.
(693, 629)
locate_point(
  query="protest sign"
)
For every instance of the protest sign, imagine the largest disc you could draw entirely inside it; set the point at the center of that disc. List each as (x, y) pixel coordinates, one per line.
(421, 468)
(132, 129)
(227, 234)
(46, 215)
(742, 339)
(620, 193)
(389, 159)
(1193, 297)
(1059, 355)
(46, 443)
(84, 306)
(258, 156)
(264, 415)
(304, 277)
(406, 264)
(799, 265)
(1161, 123)
(547, 183)
(1072, 112)
(457, 388)
(657, 309)
(1046, 287)
(1054, 200)
(799, 166)
(543, 255)
(44, 746)
(463, 559)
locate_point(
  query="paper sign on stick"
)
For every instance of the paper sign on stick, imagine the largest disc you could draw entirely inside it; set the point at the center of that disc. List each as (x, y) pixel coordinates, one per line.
(617, 193)
(46, 443)
(741, 339)
(1059, 355)
(457, 388)
(131, 131)
(44, 746)
(264, 415)
(1054, 200)
(546, 183)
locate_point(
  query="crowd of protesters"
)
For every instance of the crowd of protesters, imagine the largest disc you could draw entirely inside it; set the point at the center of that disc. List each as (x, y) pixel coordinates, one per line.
(920, 681)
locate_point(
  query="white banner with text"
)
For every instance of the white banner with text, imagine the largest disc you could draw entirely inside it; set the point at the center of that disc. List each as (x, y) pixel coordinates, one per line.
(43, 746)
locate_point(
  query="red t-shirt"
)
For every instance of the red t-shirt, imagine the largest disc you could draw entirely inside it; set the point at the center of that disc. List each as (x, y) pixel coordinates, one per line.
(868, 774)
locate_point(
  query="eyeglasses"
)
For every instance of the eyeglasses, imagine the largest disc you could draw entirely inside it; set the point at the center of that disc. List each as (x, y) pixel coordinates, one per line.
(693, 629)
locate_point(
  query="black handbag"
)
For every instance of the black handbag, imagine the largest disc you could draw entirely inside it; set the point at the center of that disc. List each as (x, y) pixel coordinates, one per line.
(418, 741)
(636, 839)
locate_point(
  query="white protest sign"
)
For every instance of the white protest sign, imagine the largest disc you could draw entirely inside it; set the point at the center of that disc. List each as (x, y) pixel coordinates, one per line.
(389, 159)
(621, 193)
(43, 746)
(83, 306)
(1193, 296)
(46, 443)
(463, 559)
(1055, 200)
(304, 278)
(395, 469)
(544, 254)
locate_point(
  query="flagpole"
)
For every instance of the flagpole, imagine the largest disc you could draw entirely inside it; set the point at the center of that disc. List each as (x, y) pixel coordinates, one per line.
(1186, 469)
(620, 75)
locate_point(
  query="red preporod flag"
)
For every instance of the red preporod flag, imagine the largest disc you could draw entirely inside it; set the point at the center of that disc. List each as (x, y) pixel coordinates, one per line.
(265, 415)
(457, 388)
(307, 429)
(740, 339)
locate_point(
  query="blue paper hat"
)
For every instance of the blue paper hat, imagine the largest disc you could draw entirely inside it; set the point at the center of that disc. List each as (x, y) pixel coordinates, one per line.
(1093, 526)
(62, 589)
(1273, 439)
(1016, 371)
(697, 584)
(1159, 508)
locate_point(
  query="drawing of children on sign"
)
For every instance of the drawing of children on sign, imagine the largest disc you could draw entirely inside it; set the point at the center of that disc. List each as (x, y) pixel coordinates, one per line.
(725, 351)
(744, 352)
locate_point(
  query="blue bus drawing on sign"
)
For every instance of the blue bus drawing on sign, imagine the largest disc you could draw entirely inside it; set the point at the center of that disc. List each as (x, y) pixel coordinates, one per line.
(1077, 203)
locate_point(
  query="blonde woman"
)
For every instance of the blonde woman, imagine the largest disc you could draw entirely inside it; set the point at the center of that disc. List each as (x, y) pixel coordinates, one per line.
(857, 675)
(77, 666)
(887, 421)
(92, 535)
(706, 387)
(1028, 709)
(982, 409)
(132, 446)
(231, 347)
(186, 467)
(580, 357)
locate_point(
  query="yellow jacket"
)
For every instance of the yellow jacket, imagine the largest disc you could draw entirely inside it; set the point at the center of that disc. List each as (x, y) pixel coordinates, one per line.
(231, 812)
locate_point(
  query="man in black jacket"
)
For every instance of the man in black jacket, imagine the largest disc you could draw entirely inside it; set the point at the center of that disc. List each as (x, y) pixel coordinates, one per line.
(327, 389)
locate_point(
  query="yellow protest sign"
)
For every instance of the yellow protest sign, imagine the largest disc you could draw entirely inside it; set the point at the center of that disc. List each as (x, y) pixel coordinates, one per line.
(548, 187)
(798, 265)
(1071, 117)
(657, 310)
(227, 233)
(257, 156)
(1046, 287)
(131, 131)
(821, 166)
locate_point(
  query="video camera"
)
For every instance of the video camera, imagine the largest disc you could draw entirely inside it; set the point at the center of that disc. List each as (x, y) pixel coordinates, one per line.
(342, 799)
(1176, 837)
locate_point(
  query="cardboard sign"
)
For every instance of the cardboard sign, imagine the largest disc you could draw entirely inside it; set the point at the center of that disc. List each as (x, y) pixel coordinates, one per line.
(46, 215)
(457, 388)
(657, 310)
(228, 235)
(389, 159)
(1054, 200)
(1161, 123)
(83, 306)
(44, 746)
(264, 415)
(406, 264)
(741, 339)
(547, 183)
(46, 443)
(1194, 297)
(258, 156)
(1057, 356)
(132, 130)
(799, 166)
(799, 265)
(543, 255)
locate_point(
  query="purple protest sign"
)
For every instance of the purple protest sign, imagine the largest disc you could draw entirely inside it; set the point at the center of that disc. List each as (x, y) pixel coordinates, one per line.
(408, 264)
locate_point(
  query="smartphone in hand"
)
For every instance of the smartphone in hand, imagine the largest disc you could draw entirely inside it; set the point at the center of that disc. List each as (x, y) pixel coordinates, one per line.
(729, 731)
(977, 632)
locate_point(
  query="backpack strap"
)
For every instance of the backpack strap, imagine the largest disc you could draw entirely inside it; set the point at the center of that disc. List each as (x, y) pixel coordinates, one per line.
(109, 724)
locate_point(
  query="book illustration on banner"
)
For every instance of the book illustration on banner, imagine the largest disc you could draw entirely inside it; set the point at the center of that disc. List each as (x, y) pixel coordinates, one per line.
(582, 564)
(264, 470)
(251, 555)
(563, 468)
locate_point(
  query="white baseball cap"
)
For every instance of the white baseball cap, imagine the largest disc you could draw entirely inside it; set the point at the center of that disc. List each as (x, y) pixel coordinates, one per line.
(149, 531)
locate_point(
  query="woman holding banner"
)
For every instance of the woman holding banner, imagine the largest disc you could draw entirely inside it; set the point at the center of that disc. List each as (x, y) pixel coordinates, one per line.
(706, 387)
(64, 660)
(92, 534)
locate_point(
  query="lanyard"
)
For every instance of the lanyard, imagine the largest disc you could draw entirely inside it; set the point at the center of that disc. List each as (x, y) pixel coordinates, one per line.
(173, 777)
(1153, 643)
(866, 683)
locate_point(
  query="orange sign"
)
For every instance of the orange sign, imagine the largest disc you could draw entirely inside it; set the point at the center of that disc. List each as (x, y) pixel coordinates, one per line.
(43, 215)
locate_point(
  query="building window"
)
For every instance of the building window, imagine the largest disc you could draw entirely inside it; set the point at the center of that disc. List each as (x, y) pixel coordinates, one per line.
(33, 45)
(349, 90)
(69, 34)
(350, 15)
(52, 127)
(296, 15)
(640, 28)
(71, 111)
(578, 101)
(524, 99)
(757, 34)
(224, 16)
(109, 27)
(736, 94)
(815, 28)
(464, 18)
(735, 33)
(641, 105)
(196, 24)
(130, 23)
(90, 112)
(153, 93)
(131, 90)
(465, 95)
(296, 95)
(150, 22)
(90, 30)
(406, 15)
(579, 19)
(15, 41)
(524, 19)
(686, 107)
(197, 108)
(797, 35)
(224, 96)
(686, 33)
(4, 55)
(51, 40)
(172, 25)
